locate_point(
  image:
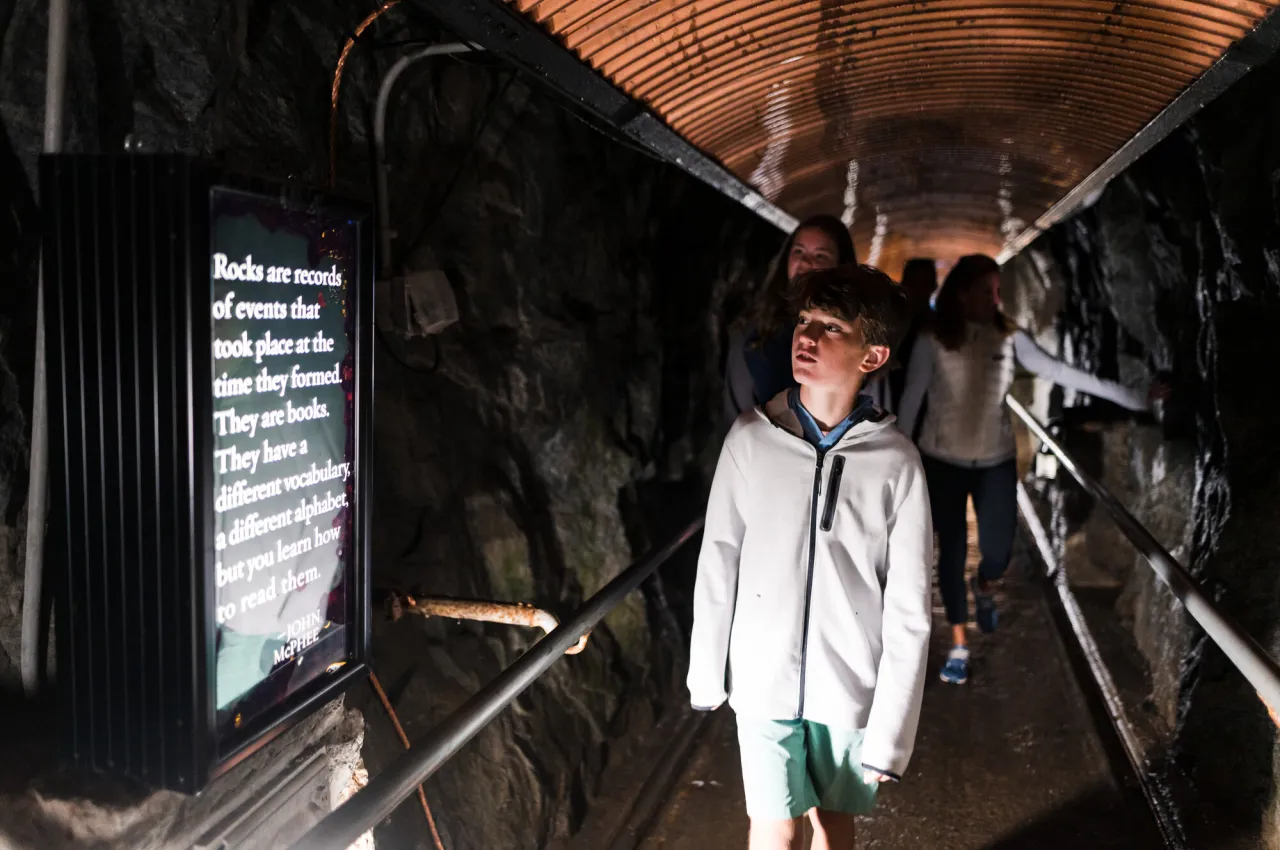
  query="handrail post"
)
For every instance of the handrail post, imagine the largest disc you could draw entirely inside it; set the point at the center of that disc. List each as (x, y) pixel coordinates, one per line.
(1241, 649)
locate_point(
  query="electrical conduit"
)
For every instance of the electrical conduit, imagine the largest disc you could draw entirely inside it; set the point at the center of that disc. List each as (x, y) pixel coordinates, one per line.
(380, 138)
(37, 493)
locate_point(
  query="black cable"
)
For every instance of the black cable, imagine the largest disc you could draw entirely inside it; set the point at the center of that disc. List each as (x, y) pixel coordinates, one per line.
(407, 245)
(617, 137)
(479, 58)
(430, 370)
(439, 206)
(535, 80)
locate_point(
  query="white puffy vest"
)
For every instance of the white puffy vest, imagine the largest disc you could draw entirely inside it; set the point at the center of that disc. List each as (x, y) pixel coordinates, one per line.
(965, 421)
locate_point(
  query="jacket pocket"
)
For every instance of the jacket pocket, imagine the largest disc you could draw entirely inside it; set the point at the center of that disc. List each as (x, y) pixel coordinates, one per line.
(833, 492)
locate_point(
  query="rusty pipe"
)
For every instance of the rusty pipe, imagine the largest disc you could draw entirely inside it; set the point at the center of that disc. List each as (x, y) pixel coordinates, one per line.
(509, 613)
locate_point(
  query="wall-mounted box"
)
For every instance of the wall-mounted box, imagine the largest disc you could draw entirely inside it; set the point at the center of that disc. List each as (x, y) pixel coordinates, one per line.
(417, 304)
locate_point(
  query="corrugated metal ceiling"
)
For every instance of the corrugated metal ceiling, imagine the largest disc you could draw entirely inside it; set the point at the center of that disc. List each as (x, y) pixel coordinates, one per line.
(937, 128)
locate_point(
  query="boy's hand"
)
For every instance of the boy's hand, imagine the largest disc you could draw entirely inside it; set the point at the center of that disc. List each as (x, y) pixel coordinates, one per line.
(873, 777)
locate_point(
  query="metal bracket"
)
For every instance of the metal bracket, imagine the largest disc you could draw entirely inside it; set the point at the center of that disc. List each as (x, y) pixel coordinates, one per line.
(509, 613)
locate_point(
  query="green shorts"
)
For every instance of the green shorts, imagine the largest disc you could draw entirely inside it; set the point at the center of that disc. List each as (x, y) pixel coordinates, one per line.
(792, 766)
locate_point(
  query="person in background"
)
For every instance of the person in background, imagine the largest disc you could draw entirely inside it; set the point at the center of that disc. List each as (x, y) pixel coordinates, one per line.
(920, 282)
(759, 362)
(811, 610)
(964, 364)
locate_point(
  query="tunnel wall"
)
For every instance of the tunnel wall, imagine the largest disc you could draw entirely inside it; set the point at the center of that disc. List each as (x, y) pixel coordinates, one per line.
(528, 453)
(1176, 269)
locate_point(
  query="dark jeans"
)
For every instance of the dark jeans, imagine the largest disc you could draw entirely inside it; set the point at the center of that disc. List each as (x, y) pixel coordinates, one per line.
(995, 501)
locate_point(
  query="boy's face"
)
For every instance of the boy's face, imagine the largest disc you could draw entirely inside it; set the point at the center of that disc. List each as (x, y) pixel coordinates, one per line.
(830, 353)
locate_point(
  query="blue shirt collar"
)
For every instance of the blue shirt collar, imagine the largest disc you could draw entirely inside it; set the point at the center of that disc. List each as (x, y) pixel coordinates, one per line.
(862, 409)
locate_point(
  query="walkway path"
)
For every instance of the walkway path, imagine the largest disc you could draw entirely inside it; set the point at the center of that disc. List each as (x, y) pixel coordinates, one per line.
(1011, 760)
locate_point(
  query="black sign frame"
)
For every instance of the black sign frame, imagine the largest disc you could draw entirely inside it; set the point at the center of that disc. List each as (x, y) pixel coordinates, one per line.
(130, 547)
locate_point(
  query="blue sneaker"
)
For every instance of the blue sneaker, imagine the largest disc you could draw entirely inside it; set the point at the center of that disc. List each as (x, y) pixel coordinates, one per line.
(985, 602)
(956, 670)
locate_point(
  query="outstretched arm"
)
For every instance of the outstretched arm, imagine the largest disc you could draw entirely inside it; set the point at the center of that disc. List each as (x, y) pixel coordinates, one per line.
(716, 589)
(1037, 360)
(919, 376)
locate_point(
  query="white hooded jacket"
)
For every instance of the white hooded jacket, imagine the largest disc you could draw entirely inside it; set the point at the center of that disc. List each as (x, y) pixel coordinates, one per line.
(813, 592)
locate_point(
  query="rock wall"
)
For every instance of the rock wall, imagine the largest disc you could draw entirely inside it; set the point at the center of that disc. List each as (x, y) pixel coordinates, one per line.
(1176, 270)
(527, 453)
(276, 795)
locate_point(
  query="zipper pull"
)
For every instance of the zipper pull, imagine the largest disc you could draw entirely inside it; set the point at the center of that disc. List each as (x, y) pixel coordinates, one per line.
(821, 458)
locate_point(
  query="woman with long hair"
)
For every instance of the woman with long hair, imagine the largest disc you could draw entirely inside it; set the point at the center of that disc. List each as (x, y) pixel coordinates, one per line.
(759, 365)
(964, 364)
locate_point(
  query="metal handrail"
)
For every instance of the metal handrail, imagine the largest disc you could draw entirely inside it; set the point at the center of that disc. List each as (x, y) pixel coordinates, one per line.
(348, 822)
(1162, 811)
(1244, 652)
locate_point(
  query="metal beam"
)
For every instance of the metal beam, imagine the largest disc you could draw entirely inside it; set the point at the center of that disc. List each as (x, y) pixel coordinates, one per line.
(1246, 54)
(501, 30)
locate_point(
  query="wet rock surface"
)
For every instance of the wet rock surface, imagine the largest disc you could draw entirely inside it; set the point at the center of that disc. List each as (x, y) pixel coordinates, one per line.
(529, 452)
(1176, 270)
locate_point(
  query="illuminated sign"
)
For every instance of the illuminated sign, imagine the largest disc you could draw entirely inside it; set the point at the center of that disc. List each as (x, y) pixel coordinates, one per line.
(210, 381)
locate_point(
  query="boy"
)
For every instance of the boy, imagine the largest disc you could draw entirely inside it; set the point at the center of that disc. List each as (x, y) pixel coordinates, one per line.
(812, 608)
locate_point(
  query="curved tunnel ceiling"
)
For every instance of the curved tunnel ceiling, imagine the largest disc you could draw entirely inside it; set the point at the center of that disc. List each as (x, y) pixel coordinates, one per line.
(937, 128)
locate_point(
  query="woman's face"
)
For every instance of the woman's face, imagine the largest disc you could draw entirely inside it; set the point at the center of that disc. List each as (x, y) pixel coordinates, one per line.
(811, 250)
(980, 300)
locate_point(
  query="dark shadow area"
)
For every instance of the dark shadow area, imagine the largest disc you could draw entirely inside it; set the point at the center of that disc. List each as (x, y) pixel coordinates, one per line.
(1089, 820)
(653, 513)
(1173, 272)
(28, 738)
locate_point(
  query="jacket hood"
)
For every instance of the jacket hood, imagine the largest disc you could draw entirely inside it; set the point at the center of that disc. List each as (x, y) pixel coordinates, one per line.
(778, 411)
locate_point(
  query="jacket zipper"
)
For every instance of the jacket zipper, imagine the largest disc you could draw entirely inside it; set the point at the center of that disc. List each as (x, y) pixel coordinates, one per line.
(813, 543)
(808, 587)
(833, 490)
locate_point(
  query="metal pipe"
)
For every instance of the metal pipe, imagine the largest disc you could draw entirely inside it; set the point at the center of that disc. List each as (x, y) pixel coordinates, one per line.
(507, 613)
(386, 790)
(1166, 819)
(380, 135)
(55, 87)
(1244, 652)
(55, 83)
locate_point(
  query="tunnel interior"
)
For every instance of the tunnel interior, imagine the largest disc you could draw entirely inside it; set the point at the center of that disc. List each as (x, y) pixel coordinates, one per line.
(570, 419)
